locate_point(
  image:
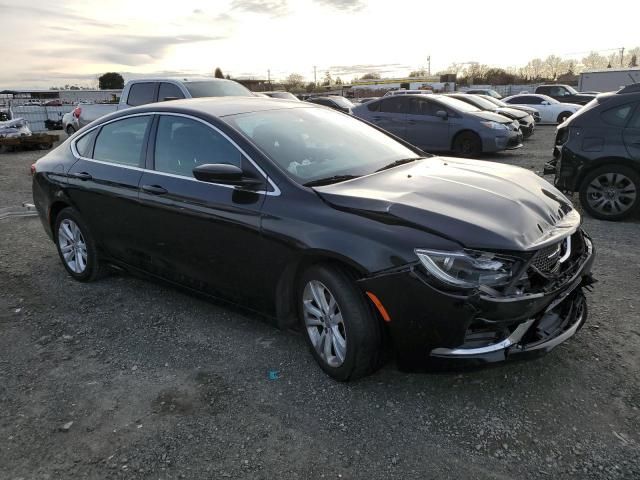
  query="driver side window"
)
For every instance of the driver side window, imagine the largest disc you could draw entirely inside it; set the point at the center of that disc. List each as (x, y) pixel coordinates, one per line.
(183, 143)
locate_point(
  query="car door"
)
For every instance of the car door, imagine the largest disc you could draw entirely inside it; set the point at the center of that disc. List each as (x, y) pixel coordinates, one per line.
(546, 110)
(424, 128)
(392, 115)
(199, 234)
(632, 135)
(103, 183)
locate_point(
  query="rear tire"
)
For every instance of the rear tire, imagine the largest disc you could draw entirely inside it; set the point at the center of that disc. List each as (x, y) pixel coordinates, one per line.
(467, 144)
(563, 117)
(611, 192)
(70, 130)
(342, 332)
(76, 246)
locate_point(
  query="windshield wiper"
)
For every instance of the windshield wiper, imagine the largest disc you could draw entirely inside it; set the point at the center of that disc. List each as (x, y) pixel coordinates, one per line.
(400, 162)
(329, 180)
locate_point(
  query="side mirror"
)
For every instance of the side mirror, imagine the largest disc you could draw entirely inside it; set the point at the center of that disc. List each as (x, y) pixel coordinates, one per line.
(224, 174)
(442, 114)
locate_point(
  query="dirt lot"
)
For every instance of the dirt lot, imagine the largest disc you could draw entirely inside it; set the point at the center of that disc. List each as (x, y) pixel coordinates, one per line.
(125, 378)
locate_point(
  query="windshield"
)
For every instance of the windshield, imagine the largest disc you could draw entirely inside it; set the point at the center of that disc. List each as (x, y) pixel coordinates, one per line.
(217, 88)
(285, 95)
(456, 104)
(572, 90)
(316, 143)
(342, 102)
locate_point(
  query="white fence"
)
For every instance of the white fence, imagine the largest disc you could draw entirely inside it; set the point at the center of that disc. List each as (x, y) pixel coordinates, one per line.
(507, 90)
(36, 115)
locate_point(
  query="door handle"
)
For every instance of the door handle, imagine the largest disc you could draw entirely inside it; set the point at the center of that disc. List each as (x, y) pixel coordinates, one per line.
(81, 176)
(154, 189)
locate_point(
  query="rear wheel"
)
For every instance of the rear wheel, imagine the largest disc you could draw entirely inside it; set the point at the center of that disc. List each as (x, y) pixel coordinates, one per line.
(563, 117)
(341, 330)
(76, 246)
(610, 192)
(467, 144)
(70, 130)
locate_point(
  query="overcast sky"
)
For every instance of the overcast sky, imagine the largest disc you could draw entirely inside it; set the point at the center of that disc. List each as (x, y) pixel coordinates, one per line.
(47, 43)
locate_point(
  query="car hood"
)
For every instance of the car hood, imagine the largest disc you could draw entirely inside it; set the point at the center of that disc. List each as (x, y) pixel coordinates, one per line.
(512, 112)
(481, 205)
(494, 117)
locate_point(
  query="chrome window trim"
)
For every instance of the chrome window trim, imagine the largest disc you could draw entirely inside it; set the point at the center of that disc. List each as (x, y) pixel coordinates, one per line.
(276, 191)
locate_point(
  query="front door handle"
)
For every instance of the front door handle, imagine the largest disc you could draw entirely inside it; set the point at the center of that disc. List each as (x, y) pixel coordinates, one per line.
(154, 189)
(81, 176)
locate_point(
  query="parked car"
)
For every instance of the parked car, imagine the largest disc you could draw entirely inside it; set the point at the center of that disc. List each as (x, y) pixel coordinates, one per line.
(484, 91)
(565, 94)
(403, 91)
(333, 101)
(531, 111)
(437, 123)
(597, 153)
(526, 121)
(322, 221)
(281, 94)
(551, 110)
(363, 99)
(53, 103)
(141, 92)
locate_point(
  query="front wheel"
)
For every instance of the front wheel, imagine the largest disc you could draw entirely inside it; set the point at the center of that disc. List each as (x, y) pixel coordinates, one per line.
(76, 246)
(341, 330)
(563, 117)
(610, 192)
(70, 130)
(467, 144)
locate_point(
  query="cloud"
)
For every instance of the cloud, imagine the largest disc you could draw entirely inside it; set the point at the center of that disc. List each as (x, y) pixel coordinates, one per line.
(59, 14)
(350, 5)
(130, 50)
(274, 8)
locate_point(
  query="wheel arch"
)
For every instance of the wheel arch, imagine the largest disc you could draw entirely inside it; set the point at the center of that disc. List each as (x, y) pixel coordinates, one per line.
(54, 210)
(606, 161)
(285, 301)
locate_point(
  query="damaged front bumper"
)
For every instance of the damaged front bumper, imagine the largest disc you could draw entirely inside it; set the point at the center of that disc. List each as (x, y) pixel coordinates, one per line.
(430, 324)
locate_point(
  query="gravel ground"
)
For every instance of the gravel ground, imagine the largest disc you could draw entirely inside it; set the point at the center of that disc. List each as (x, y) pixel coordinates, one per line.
(125, 378)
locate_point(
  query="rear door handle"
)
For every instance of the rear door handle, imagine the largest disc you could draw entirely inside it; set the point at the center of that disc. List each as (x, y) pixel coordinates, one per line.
(81, 176)
(154, 189)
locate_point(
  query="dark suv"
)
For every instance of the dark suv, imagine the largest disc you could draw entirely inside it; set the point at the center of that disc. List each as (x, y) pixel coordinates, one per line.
(597, 153)
(565, 94)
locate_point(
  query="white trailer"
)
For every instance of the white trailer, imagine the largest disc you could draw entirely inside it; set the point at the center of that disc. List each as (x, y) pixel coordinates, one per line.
(608, 80)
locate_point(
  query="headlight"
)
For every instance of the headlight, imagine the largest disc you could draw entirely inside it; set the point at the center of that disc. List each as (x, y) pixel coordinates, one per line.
(467, 269)
(495, 125)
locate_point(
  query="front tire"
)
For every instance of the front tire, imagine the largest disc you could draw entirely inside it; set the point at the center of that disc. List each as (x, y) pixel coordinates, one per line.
(610, 192)
(70, 130)
(342, 332)
(467, 144)
(76, 246)
(563, 117)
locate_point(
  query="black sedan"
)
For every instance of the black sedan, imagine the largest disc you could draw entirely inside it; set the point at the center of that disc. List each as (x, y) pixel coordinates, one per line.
(499, 103)
(333, 101)
(323, 222)
(526, 121)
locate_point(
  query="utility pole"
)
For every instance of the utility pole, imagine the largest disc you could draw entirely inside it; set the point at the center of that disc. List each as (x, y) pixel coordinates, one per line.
(429, 65)
(315, 76)
(621, 56)
(269, 77)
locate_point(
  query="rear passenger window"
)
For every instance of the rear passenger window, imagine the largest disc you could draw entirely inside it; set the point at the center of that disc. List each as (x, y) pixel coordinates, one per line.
(617, 116)
(423, 107)
(142, 93)
(396, 104)
(84, 144)
(182, 144)
(169, 91)
(374, 106)
(122, 141)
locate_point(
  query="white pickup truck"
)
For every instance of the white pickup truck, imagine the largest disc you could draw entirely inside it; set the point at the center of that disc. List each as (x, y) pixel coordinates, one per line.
(150, 90)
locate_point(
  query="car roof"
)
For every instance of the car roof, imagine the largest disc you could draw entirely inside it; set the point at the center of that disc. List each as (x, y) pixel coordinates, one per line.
(219, 106)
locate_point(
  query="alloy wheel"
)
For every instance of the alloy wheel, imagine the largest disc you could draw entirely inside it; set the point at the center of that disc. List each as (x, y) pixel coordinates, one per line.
(324, 323)
(72, 245)
(611, 193)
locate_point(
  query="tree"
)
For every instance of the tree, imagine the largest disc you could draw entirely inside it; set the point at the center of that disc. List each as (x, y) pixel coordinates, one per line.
(594, 61)
(338, 81)
(327, 79)
(310, 87)
(418, 73)
(634, 61)
(218, 73)
(295, 80)
(552, 66)
(111, 80)
(371, 76)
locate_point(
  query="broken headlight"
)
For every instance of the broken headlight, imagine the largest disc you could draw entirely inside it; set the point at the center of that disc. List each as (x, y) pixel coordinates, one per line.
(468, 269)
